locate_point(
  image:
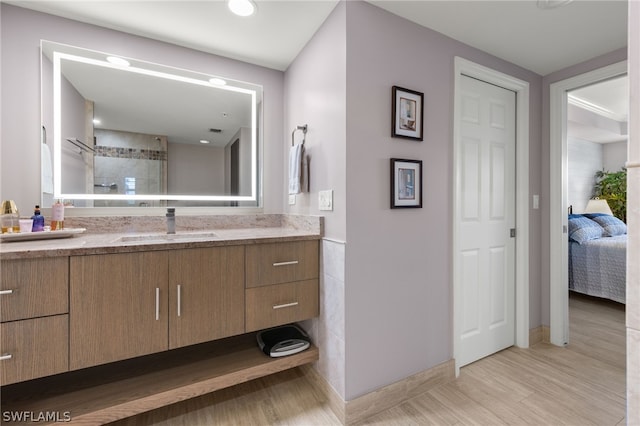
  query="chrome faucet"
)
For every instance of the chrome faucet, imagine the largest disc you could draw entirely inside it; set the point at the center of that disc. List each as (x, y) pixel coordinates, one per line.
(171, 220)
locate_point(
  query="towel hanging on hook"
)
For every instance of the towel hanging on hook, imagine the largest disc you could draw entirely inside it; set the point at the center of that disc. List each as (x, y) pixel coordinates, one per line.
(298, 164)
(304, 134)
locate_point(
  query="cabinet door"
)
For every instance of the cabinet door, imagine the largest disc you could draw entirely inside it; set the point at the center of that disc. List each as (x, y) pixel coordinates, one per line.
(33, 288)
(206, 294)
(118, 307)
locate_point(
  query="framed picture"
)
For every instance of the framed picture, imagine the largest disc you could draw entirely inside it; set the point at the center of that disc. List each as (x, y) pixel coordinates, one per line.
(407, 116)
(406, 183)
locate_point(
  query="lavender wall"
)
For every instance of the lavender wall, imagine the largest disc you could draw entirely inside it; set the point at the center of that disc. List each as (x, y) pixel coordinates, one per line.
(315, 94)
(21, 31)
(398, 262)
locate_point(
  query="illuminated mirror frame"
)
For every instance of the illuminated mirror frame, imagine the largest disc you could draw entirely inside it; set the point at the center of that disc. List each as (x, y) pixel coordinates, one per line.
(57, 138)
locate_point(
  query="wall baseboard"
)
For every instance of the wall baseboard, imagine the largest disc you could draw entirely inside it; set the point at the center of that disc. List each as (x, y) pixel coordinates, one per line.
(539, 335)
(335, 401)
(349, 412)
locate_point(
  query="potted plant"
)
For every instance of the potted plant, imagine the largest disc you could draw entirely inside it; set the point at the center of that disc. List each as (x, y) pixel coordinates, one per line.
(612, 186)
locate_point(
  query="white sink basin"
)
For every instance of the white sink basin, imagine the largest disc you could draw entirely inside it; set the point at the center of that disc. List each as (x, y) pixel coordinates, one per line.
(182, 236)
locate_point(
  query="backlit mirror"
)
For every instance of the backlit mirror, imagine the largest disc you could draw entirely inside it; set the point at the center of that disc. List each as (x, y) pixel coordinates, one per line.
(121, 132)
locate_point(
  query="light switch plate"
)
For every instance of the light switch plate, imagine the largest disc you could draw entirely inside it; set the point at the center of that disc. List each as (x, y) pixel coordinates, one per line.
(292, 199)
(536, 201)
(325, 200)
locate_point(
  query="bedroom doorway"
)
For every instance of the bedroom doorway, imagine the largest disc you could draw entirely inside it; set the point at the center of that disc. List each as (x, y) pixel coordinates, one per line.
(559, 205)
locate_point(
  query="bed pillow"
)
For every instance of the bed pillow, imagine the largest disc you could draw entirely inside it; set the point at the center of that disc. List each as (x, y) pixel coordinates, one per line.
(582, 229)
(612, 225)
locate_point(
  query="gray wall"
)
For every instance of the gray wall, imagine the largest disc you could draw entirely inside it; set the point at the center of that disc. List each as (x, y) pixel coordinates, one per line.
(584, 160)
(614, 156)
(205, 173)
(21, 31)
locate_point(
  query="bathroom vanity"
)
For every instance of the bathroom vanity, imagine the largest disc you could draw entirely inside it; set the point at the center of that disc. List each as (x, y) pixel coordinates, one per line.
(105, 326)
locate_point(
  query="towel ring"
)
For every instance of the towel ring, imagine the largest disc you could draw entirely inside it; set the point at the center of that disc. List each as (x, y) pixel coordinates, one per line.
(304, 134)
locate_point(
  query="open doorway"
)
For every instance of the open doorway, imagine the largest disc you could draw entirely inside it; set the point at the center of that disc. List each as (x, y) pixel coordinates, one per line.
(597, 137)
(565, 96)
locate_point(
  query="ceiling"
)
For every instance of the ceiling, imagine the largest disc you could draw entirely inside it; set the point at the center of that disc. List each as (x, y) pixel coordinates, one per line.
(540, 40)
(603, 111)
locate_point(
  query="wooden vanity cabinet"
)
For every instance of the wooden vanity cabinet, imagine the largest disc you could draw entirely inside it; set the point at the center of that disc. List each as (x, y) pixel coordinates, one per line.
(34, 318)
(131, 304)
(116, 306)
(206, 294)
(203, 303)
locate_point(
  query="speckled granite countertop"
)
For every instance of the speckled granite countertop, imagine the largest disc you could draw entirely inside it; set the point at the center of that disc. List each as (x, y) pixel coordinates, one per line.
(134, 238)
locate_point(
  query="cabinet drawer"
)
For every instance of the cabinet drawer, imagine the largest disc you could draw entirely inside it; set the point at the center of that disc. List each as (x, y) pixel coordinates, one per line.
(268, 264)
(269, 306)
(34, 348)
(34, 288)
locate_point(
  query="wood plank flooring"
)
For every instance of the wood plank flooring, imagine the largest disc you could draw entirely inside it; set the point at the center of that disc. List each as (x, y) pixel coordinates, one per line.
(582, 384)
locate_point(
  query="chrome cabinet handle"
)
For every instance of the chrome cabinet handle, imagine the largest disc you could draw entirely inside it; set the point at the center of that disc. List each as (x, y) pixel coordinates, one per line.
(6, 292)
(285, 305)
(179, 300)
(157, 303)
(291, 262)
(5, 357)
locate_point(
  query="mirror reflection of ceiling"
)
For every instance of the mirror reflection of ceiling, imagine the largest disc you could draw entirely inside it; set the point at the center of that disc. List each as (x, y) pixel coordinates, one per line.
(599, 112)
(119, 97)
(540, 40)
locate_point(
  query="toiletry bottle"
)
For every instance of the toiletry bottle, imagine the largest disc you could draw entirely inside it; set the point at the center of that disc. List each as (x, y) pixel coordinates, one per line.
(9, 220)
(38, 220)
(57, 216)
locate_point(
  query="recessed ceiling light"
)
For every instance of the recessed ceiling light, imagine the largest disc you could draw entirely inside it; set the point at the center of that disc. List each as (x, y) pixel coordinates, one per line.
(217, 81)
(204, 141)
(118, 61)
(242, 7)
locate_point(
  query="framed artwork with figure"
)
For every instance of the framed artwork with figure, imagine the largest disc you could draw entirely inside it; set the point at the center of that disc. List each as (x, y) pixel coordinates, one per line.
(407, 113)
(406, 183)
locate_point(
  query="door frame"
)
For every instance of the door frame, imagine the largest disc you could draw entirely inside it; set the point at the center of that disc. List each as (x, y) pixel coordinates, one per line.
(521, 88)
(558, 184)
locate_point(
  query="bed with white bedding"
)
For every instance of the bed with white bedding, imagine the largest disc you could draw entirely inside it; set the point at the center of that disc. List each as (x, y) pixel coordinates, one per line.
(598, 256)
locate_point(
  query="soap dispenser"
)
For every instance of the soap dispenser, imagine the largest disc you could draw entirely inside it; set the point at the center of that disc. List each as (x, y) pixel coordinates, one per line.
(38, 220)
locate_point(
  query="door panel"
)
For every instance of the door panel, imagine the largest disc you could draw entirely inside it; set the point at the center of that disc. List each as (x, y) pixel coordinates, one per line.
(486, 252)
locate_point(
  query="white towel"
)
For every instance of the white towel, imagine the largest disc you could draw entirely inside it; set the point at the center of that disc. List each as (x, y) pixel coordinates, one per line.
(47, 169)
(295, 168)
